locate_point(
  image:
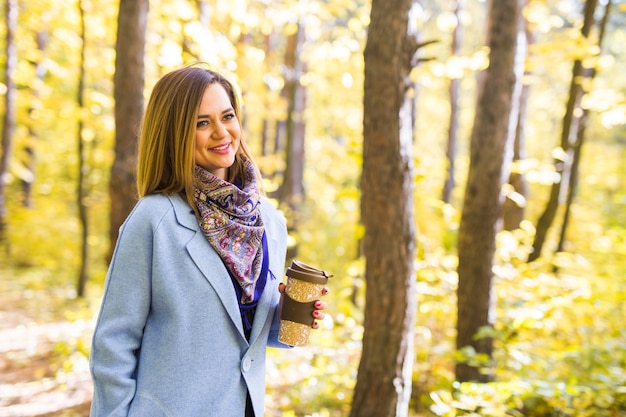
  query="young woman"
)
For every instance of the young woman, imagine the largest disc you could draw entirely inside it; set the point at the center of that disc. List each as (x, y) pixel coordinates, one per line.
(192, 293)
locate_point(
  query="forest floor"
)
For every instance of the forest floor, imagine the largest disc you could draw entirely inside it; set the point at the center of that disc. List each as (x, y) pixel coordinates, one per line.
(43, 364)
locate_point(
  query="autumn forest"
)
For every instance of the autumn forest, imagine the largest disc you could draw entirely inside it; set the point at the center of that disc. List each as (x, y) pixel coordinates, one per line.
(459, 166)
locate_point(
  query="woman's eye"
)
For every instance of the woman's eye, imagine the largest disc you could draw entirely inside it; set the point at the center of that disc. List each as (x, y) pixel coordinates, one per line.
(229, 116)
(202, 123)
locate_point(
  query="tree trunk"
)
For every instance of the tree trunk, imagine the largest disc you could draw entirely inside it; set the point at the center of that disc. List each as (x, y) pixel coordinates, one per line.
(291, 191)
(383, 386)
(204, 13)
(573, 179)
(568, 138)
(580, 139)
(8, 126)
(491, 149)
(268, 46)
(81, 192)
(30, 162)
(453, 91)
(129, 102)
(514, 208)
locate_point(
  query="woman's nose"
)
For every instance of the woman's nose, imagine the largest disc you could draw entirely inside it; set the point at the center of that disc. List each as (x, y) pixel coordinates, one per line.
(220, 131)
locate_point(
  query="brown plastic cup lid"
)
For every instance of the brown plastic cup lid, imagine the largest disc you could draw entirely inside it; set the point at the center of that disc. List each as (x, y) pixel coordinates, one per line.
(304, 272)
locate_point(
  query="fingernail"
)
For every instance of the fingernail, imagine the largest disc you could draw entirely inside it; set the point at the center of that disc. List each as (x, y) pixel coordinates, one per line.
(318, 304)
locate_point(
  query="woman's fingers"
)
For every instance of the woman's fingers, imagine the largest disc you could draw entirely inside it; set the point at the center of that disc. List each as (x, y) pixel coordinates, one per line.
(320, 305)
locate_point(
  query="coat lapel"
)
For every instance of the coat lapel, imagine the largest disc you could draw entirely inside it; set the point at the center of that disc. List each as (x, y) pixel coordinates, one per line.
(208, 261)
(267, 298)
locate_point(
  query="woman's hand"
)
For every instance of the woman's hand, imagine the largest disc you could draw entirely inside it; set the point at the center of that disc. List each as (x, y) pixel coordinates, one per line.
(319, 306)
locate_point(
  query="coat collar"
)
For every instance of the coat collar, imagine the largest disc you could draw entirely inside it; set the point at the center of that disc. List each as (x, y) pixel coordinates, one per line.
(213, 269)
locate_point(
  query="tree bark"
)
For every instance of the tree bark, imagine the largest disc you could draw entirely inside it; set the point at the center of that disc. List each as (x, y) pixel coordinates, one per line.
(81, 192)
(383, 384)
(580, 140)
(291, 191)
(30, 154)
(129, 103)
(292, 188)
(453, 91)
(568, 138)
(8, 126)
(514, 208)
(268, 46)
(490, 157)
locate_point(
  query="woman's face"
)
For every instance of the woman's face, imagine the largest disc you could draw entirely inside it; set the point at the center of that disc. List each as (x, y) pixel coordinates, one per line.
(217, 132)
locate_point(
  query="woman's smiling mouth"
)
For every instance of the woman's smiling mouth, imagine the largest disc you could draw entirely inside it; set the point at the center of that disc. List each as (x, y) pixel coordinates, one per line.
(221, 148)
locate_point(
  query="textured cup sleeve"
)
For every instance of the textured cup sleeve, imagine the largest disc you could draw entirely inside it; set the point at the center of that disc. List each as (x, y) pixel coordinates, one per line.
(296, 311)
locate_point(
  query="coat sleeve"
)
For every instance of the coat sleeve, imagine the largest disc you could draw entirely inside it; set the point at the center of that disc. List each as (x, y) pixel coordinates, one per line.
(126, 302)
(272, 340)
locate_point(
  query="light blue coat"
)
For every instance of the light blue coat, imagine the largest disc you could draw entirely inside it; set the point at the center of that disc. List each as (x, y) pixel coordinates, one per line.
(169, 340)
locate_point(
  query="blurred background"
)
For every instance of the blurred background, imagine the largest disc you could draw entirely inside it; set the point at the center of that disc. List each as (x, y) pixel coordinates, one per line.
(559, 335)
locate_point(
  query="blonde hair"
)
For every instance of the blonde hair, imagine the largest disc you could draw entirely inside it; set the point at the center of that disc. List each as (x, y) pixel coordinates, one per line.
(167, 142)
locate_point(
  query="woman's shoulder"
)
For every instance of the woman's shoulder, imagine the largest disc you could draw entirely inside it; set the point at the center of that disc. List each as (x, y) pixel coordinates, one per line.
(160, 215)
(150, 209)
(153, 205)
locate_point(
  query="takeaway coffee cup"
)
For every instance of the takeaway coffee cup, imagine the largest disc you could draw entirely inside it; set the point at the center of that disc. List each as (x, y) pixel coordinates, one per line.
(304, 288)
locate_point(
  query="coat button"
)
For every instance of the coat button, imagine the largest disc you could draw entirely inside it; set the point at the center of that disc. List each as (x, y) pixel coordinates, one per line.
(246, 364)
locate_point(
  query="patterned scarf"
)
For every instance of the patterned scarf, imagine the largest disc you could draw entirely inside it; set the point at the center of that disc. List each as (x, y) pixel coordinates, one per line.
(231, 222)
